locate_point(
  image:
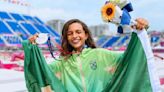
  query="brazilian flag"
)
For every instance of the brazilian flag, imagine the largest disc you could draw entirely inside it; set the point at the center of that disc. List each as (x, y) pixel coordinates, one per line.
(135, 72)
(38, 76)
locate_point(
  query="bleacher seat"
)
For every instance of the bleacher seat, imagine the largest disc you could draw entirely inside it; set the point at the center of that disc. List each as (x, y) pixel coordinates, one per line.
(4, 15)
(155, 39)
(18, 30)
(12, 40)
(4, 29)
(101, 40)
(29, 18)
(1, 42)
(41, 28)
(38, 20)
(122, 41)
(17, 17)
(30, 28)
(111, 41)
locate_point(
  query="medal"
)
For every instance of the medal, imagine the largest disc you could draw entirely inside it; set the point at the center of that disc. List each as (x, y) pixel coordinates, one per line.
(42, 38)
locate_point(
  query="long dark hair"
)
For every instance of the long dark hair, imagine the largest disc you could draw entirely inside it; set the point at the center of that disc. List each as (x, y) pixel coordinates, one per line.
(66, 47)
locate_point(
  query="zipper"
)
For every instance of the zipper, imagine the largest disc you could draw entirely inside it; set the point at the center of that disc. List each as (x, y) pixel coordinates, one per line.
(82, 74)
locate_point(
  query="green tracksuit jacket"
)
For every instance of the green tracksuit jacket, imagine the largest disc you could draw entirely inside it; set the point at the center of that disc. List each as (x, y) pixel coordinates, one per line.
(89, 71)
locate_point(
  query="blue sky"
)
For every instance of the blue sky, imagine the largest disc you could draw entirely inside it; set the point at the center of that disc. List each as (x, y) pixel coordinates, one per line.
(88, 10)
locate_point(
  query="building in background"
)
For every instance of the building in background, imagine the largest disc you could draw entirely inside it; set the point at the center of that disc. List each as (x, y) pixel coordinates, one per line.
(99, 30)
(57, 24)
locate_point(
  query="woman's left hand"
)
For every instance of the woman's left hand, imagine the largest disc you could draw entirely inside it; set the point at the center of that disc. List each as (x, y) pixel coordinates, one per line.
(141, 24)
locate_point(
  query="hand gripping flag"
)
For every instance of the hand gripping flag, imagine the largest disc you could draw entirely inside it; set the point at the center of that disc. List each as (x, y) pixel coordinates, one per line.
(38, 76)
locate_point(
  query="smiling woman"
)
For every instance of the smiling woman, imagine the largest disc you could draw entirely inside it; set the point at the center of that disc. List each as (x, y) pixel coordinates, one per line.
(75, 36)
(84, 68)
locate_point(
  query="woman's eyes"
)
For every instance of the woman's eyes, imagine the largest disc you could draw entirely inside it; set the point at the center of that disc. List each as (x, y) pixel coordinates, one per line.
(70, 33)
(78, 31)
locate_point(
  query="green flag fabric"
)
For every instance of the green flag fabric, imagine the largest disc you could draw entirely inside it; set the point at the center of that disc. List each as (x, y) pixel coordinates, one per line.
(134, 70)
(38, 76)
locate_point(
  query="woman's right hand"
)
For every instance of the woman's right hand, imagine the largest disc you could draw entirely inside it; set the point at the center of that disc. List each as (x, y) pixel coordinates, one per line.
(33, 38)
(141, 23)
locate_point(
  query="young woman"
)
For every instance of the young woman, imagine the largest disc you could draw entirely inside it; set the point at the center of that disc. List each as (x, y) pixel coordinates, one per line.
(82, 67)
